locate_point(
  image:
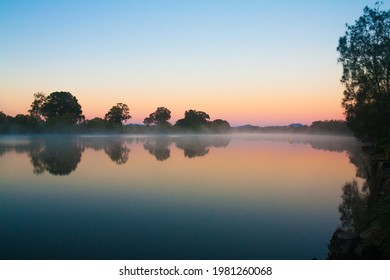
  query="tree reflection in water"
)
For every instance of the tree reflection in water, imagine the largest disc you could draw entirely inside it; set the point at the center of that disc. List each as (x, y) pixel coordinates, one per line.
(61, 155)
(192, 149)
(115, 147)
(193, 146)
(353, 207)
(57, 156)
(159, 147)
(117, 151)
(365, 213)
(199, 146)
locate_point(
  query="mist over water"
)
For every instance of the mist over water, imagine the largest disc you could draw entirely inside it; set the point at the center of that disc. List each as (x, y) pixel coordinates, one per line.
(244, 196)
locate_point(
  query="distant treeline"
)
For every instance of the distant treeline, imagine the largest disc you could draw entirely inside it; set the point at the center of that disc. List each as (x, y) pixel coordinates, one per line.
(317, 127)
(61, 112)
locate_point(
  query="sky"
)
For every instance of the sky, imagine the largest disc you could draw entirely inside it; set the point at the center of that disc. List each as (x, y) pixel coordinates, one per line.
(248, 62)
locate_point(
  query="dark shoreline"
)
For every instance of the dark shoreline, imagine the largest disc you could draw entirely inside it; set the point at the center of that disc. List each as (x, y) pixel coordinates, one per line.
(368, 235)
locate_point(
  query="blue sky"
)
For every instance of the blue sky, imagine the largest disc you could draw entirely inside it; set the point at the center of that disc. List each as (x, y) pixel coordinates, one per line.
(233, 59)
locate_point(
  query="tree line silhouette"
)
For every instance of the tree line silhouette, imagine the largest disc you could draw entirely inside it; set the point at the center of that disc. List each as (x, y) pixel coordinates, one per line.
(61, 112)
(364, 211)
(365, 57)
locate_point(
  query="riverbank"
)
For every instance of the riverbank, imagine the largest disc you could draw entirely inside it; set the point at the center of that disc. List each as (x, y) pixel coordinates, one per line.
(366, 226)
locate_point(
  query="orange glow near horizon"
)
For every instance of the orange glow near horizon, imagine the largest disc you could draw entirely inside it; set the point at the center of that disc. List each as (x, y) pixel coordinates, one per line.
(233, 64)
(255, 106)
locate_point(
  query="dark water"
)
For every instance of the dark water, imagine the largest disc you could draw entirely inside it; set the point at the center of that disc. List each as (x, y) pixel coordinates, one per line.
(171, 197)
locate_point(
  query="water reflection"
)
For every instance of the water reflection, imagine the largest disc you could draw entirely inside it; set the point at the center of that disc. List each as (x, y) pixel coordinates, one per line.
(159, 147)
(319, 142)
(117, 150)
(364, 210)
(61, 155)
(246, 198)
(200, 146)
(353, 207)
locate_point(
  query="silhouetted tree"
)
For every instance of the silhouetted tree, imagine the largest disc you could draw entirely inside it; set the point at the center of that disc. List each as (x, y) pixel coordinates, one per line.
(4, 126)
(160, 117)
(18, 124)
(196, 117)
(365, 56)
(25, 123)
(95, 124)
(61, 108)
(193, 119)
(329, 127)
(2, 116)
(219, 126)
(117, 114)
(36, 106)
(148, 121)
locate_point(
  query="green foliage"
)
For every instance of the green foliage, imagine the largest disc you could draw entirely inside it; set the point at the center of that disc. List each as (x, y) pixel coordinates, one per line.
(219, 126)
(160, 117)
(365, 56)
(330, 127)
(22, 123)
(199, 121)
(148, 121)
(4, 124)
(379, 220)
(117, 151)
(193, 120)
(18, 124)
(117, 114)
(159, 147)
(61, 108)
(196, 117)
(36, 106)
(353, 211)
(95, 125)
(59, 157)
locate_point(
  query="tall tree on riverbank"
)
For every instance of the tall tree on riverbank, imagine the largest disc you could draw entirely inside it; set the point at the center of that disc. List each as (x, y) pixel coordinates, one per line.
(61, 108)
(160, 117)
(118, 114)
(36, 106)
(365, 56)
(193, 120)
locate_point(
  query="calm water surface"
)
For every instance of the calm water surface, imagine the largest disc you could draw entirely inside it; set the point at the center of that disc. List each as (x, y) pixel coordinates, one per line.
(171, 197)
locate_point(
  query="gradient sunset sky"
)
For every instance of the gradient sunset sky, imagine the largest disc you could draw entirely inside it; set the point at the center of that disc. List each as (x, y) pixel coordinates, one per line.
(257, 62)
